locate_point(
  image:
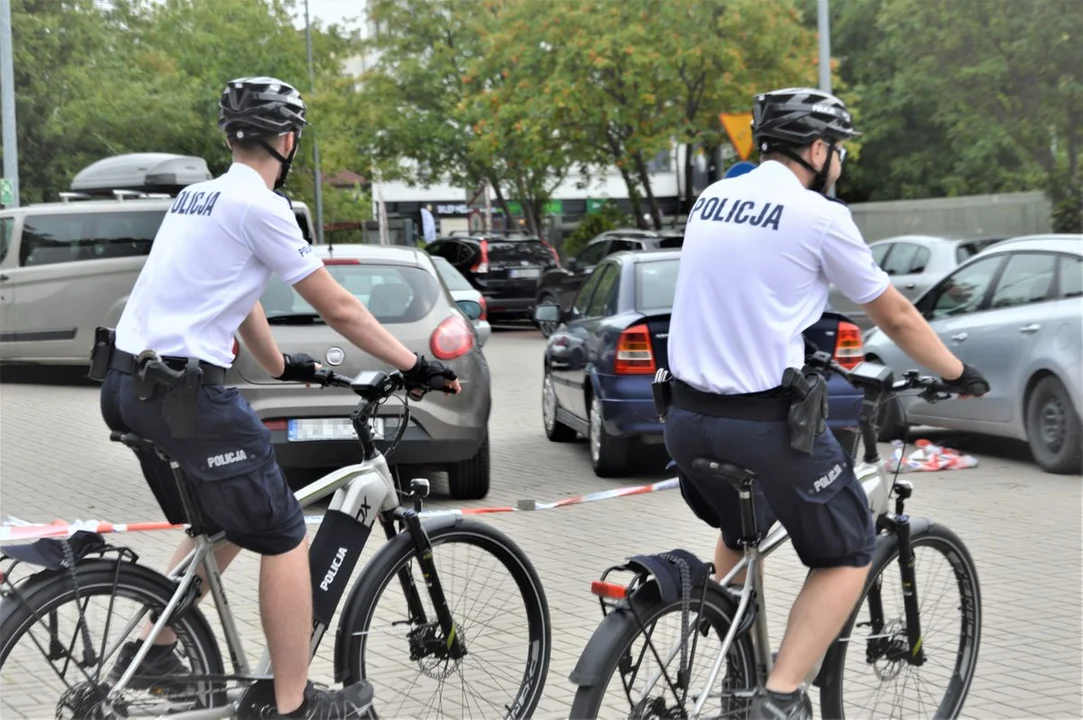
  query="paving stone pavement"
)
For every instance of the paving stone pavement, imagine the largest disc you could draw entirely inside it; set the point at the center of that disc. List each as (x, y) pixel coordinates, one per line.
(1021, 525)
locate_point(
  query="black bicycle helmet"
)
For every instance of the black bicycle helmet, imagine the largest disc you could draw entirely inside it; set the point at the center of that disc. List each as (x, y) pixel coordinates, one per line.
(799, 116)
(260, 107)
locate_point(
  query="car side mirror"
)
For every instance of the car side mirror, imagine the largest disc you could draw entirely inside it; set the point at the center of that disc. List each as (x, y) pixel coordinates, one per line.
(547, 313)
(471, 308)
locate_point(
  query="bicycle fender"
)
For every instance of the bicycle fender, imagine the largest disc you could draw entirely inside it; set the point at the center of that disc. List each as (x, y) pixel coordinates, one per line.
(622, 620)
(352, 611)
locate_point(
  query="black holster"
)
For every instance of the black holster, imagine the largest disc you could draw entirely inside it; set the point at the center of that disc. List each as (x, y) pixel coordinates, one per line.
(808, 409)
(101, 354)
(662, 392)
(181, 390)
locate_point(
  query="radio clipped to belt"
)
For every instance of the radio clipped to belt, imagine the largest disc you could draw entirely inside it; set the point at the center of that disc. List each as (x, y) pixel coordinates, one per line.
(101, 355)
(808, 409)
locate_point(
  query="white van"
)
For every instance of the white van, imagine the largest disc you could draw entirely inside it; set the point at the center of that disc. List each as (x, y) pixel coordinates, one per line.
(68, 267)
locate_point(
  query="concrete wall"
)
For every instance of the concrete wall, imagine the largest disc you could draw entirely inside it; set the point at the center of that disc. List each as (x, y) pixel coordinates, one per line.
(971, 216)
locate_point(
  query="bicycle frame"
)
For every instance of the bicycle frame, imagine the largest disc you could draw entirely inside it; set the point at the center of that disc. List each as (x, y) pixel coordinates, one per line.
(336, 547)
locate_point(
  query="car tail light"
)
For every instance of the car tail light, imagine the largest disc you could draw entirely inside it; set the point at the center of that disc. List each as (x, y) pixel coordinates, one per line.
(341, 261)
(275, 424)
(849, 347)
(482, 265)
(634, 354)
(484, 308)
(452, 338)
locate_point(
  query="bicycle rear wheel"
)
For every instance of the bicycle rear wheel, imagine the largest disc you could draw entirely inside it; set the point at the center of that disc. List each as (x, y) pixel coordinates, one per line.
(507, 648)
(55, 663)
(648, 667)
(946, 582)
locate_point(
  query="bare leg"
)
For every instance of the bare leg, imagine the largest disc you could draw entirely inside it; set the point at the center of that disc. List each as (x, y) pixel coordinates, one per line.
(725, 560)
(822, 606)
(285, 609)
(223, 556)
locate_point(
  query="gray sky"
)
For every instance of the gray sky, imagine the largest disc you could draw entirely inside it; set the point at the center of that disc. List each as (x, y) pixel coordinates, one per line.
(333, 11)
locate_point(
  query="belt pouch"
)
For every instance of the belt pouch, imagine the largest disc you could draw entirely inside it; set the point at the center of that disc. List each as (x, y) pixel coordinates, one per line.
(101, 354)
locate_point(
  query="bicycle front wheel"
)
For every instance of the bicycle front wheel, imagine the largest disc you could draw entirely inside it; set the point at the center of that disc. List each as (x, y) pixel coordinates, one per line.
(501, 616)
(869, 666)
(61, 635)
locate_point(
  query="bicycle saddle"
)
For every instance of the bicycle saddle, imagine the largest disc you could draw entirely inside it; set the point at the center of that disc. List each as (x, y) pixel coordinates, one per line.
(733, 474)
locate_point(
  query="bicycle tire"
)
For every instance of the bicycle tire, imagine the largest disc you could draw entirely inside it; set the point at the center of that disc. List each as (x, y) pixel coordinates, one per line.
(393, 556)
(612, 639)
(924, 533)
(51, 589)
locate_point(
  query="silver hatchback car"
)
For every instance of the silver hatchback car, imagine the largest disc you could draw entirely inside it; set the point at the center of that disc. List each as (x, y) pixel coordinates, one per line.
(310, 426)
(1015, 312)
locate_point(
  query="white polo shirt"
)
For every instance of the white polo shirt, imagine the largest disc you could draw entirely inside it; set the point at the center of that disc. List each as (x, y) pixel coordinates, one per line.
(760, 252)
(210, 262)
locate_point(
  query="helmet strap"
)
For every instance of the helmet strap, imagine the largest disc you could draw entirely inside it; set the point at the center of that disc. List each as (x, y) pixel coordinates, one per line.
(285, 162)
(819, 180)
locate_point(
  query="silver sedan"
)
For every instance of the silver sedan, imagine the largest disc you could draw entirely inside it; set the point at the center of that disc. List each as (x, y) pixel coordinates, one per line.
(1014, 311)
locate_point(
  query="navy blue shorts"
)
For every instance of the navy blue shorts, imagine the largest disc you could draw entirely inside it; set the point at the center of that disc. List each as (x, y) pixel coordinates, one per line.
(230, 465)
(817, 498)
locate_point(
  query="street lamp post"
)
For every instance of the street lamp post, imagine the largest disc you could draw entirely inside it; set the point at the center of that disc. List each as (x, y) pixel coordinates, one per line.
(315, 141)
(7, 104)
(823, 21)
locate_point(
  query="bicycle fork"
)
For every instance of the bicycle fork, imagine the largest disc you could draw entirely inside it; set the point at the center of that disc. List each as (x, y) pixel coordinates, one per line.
(878, 647)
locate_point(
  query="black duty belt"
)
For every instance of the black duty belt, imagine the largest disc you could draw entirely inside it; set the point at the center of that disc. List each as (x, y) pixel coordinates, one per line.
(212, 374)
(774, 405)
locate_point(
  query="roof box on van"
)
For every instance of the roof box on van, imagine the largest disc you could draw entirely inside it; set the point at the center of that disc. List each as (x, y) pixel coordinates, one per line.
(144, 172)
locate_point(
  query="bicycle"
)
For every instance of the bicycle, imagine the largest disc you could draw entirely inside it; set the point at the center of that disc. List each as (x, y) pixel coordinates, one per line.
(679, 585)
(437, 643)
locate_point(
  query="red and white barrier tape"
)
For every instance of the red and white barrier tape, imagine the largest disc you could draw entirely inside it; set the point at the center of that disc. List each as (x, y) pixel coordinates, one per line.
(16, 530)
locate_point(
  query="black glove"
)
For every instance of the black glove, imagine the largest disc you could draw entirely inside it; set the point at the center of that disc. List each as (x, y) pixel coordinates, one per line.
(427, 375)
(299, 366)
(969, 383)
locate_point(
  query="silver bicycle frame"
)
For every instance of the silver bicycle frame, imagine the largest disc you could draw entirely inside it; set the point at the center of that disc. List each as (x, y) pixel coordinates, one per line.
(357, 488)
(878, 491)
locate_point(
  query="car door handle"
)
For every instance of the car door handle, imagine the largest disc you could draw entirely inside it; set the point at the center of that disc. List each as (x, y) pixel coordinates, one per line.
(911, 286)
(959, 337)
(1032, 328)
(3, 276)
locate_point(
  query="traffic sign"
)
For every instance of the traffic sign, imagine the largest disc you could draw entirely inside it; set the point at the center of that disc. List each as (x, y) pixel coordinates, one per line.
(740, 169)
(739, 128)
(7, 193)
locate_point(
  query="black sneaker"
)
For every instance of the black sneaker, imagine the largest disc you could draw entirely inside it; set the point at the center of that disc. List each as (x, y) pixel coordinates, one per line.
(769, 705)
(160, 661)
(323, 704)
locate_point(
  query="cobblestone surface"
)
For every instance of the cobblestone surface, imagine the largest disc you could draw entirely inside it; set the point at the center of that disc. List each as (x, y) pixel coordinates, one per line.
(1021, 525)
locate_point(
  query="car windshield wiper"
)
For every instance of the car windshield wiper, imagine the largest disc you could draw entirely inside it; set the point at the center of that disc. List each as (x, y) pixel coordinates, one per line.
(298, 318)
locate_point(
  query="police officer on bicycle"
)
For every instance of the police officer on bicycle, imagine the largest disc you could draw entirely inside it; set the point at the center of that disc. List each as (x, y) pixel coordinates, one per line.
(760, 252)
(210, 262)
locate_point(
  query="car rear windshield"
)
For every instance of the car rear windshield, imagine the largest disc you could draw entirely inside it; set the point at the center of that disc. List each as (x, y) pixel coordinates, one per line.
(392, 293)
(507, 251)
(656, 284)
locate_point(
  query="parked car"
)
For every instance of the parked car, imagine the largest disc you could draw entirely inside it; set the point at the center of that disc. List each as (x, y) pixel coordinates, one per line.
(559, 285)
(461, 290)
(68, 267)
(310, 428)
(503, 267)
(601, 360)
(1014, 311)
(914, 262)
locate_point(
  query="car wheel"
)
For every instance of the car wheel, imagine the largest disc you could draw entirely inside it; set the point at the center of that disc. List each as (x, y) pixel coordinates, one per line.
(469, 479)
(547, 328)
(608, 454)
(554, 429)
(1053, 428)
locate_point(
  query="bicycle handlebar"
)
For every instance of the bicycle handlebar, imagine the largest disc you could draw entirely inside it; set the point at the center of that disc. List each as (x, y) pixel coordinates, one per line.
(876, 377)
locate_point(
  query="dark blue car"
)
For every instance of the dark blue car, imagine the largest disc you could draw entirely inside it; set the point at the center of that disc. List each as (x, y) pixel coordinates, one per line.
(601, 359)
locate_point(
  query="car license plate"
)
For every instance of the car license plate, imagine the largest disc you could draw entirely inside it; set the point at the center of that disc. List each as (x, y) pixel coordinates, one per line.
(524, 273)
(309, 429)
